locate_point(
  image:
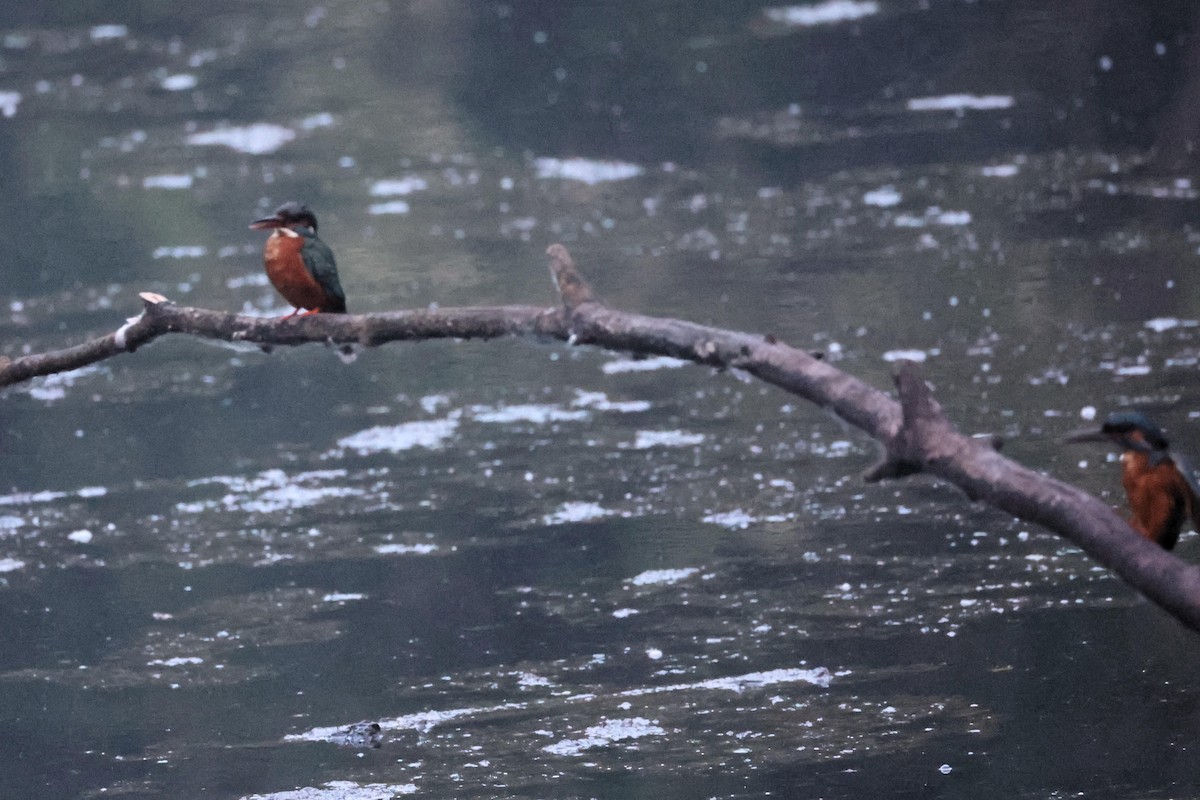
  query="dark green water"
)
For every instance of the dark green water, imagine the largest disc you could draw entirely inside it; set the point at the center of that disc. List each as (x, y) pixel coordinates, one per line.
(550, 571)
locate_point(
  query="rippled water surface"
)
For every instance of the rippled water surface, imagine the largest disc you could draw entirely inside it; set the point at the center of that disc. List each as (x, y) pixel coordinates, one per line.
(522, 569)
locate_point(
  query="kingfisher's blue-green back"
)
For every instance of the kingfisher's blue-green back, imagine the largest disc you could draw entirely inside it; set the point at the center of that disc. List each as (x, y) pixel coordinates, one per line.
(318, 258)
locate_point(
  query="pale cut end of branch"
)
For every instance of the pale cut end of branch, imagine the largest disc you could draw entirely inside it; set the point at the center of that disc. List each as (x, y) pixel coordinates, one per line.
(152, 299)
(571, 286)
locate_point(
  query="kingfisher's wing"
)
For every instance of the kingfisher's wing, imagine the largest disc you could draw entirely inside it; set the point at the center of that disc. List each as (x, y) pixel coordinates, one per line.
(318, 258)
(1188, 471)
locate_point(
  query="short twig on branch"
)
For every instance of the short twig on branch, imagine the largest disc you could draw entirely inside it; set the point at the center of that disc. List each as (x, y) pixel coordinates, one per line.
(915, 434)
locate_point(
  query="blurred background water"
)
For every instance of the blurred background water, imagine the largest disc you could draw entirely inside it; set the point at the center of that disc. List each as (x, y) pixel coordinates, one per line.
(518, 569)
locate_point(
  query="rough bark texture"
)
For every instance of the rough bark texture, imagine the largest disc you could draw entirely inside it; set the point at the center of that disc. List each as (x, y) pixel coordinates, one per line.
(915, 434)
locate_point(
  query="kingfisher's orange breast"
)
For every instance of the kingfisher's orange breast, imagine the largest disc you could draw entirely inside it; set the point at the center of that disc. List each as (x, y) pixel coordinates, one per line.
(1159, 497)
(287, 273)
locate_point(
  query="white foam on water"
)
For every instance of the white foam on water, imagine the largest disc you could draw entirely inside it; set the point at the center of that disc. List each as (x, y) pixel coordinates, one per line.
(422, 721)
(827, 13)
(180, 82)
(647, 439)
(9, 102)
(390, 207)
(429, 434)
(342, 597)
(167, 182)
(606, 733)
(586, 170)
(105, 33)
(539, 414)
(817, 676)
(257, 139)
(737, 519)
(340, 790)
(178, 661)
(394, 186)
(600, 402)
(642, 364)
(961, 102)
(576, 512)
(905, 355)
(405, 549)
(883, 197)
(180, 251)
(653, 577)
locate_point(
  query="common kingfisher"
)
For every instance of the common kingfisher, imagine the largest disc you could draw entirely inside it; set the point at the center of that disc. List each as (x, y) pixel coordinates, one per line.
(299, 265)
(1162, 489)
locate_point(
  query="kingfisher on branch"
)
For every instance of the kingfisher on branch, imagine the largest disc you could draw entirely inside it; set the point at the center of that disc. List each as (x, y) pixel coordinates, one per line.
(1162, 489)
(299, 265)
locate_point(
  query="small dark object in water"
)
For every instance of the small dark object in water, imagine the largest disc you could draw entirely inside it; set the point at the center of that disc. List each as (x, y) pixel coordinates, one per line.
(360, 734)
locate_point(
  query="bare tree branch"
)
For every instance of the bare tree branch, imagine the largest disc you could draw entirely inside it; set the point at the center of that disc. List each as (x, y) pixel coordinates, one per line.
(161, 317)
(915, 434)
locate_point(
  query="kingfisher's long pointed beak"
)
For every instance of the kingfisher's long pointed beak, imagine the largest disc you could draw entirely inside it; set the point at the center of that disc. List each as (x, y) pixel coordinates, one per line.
(266, 223)
(1087, 435)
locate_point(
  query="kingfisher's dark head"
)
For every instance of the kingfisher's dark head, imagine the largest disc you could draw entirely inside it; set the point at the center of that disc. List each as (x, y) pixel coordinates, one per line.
(288, 215)
(1130, 430)
(1134, 427)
